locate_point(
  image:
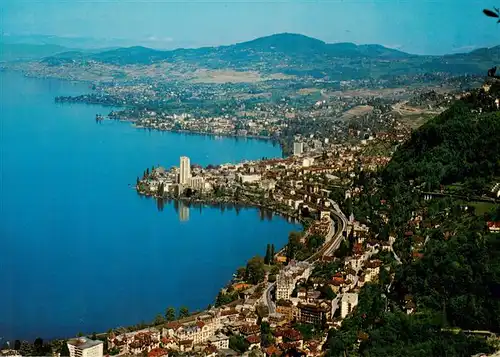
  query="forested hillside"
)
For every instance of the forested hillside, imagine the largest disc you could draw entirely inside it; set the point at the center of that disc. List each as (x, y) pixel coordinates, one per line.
(451, 261)
(460, 145)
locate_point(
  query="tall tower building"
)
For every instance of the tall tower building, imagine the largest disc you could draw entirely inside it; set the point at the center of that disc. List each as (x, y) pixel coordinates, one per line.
(185, 171)
(298, 148)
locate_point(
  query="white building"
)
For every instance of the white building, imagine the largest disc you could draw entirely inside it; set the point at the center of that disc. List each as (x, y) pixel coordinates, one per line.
(372, 270)
(220, 341)
(84, 347)
(298, 148)
(288, 278)
(268, 185)
(349, 302)
(249, 178)
(185, 170)
(198, 332)
(197, 183)
(308, 161)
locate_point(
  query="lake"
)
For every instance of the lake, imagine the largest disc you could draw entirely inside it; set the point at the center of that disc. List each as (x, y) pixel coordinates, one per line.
(80, 250)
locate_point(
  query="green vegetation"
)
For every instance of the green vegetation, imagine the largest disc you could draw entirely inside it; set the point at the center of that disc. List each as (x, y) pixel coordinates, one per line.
(238, 343)
(266, 335)
(183, 312)
(457, 146)
(170, 314)
(296, 249)
(325, 270)
(269, 257)
(255, 271)
(226, 298)
(159, 320)
(383, 333)
(459, 276)
(451, 267)
(308, 331)
(305, 57)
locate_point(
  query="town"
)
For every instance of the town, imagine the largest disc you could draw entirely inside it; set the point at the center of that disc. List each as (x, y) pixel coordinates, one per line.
(289, 299)
(343, 275)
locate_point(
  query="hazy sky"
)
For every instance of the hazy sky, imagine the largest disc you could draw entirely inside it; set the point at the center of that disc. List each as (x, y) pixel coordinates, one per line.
(416, 26)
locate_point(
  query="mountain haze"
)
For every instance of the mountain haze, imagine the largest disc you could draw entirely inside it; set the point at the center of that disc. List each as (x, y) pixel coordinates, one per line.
(295, 54)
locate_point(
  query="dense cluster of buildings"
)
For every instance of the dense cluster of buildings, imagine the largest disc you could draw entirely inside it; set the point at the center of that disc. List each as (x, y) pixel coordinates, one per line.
(289, 185)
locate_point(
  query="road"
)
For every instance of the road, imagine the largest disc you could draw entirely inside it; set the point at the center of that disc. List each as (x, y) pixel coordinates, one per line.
(332, 241)
(268, 301)
(334, 236)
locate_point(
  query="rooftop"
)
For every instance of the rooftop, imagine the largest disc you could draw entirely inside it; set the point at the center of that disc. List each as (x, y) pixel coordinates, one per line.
(84, 343)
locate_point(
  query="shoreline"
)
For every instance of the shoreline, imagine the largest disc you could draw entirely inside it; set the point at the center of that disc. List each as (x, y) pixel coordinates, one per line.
(133, 121)
(205, 133)
(214, 203)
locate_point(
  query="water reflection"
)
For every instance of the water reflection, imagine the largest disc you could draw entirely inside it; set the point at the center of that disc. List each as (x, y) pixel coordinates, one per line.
(183, 212)
(182, 209)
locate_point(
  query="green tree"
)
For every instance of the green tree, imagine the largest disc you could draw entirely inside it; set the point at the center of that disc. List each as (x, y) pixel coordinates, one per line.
(159, 319)
(38, 346)
(293, 245)
(265, 328)
(238, 343)
(64, 349)
(241, 273)
(183, 312)
(273, 253)
(267, 258)
(17, 345)
(170, 314)
(255, 270)
(223, 299)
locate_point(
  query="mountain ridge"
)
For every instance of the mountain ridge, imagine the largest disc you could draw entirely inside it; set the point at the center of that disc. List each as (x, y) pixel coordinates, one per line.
(296, 55)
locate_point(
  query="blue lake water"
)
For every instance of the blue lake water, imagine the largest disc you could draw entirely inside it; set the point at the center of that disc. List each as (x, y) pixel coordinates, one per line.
(79, 249)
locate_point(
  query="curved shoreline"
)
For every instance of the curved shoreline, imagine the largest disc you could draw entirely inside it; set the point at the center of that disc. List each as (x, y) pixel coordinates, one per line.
(214, 202)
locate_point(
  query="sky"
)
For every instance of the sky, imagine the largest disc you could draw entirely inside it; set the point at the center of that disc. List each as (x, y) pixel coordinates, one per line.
(415, 26)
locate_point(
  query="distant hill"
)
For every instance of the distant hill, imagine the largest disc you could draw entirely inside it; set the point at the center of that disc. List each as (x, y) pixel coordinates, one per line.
(14, 52)
(300, 55)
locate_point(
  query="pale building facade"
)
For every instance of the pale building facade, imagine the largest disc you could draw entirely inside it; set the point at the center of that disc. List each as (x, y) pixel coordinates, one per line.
(298, 148)
(348, 303)
(84, 347)
(185, 170)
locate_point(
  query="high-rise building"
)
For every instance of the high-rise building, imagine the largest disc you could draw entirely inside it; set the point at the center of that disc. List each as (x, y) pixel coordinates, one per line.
(298, 148)
(84, 347)
(185, 171)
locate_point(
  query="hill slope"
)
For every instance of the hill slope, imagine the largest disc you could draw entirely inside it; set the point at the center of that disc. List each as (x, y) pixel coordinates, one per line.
(451, 267)
(299, 55)
(460, 145)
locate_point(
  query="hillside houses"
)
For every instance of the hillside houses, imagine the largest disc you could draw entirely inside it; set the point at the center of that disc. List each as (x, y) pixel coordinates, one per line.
(288, 278)
(135, 342)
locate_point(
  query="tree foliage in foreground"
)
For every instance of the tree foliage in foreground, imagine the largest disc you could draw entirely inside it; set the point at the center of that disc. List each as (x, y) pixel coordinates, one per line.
(372, 331)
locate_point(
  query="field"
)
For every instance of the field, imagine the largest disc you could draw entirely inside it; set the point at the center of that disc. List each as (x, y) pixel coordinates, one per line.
(357, 111)
(231, 76)
(415, 121)
(482, 207)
